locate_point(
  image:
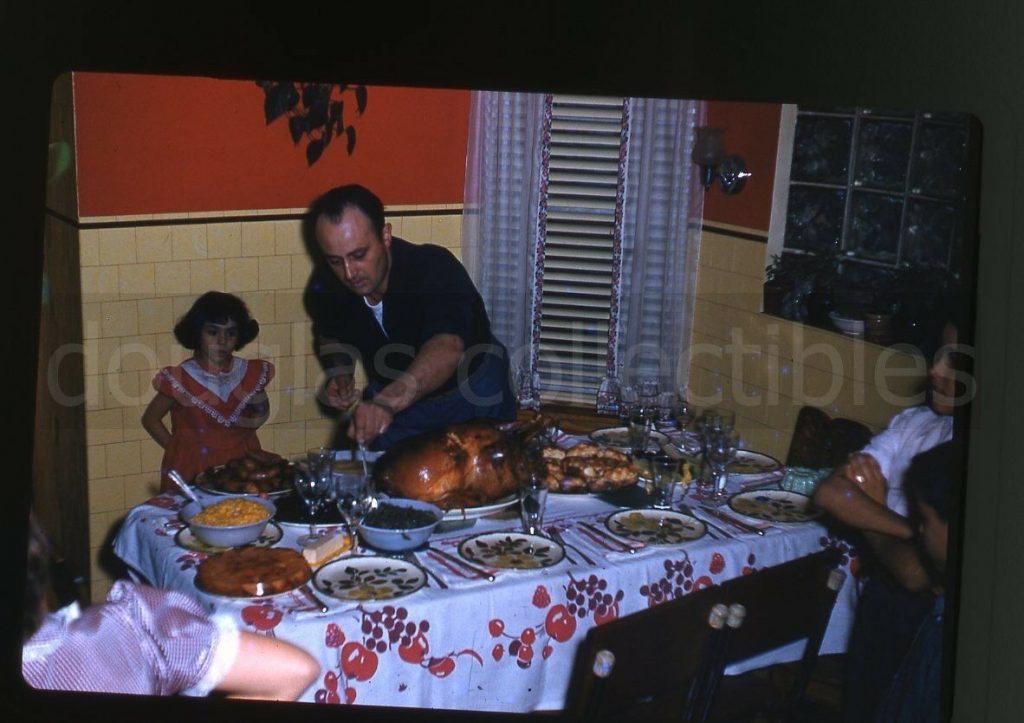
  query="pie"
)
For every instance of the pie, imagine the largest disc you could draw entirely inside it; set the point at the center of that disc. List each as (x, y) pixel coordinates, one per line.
(253, 572)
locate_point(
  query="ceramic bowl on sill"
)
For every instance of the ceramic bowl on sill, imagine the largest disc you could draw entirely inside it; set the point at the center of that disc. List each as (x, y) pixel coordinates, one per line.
(847, 324)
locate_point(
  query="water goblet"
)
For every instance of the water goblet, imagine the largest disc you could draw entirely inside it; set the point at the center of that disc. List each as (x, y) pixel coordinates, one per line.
(312, 488)
(722, 447)
(353, 495)
(684, 412)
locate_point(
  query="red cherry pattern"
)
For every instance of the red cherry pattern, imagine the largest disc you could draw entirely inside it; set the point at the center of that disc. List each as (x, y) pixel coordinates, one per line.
(263, 616)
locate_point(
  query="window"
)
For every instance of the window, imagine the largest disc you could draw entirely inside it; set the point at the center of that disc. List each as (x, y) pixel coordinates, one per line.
(579, 233)
(884, 188)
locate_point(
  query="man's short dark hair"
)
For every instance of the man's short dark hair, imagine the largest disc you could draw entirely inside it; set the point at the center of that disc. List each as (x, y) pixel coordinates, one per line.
(215, 307)
(930, 478)
(335, 202)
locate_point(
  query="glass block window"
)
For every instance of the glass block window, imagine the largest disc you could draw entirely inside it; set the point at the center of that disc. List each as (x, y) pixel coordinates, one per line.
(884, 187)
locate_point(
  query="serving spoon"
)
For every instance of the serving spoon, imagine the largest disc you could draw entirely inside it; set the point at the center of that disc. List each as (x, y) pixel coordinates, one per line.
(185, 487)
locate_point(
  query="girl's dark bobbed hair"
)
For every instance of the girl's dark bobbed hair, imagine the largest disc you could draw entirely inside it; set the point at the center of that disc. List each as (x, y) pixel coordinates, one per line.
(215, 307)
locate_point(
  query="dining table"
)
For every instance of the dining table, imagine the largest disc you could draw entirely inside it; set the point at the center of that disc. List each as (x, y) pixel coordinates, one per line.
(470, 635)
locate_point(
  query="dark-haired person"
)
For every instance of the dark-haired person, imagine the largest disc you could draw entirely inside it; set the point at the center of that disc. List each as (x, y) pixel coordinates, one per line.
(868, 493)
(216, 400)
(914, 694)
(411, 315)
(146, 641)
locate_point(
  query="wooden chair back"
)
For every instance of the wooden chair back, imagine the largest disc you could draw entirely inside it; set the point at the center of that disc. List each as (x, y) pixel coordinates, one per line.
(650, 665)
(779, 605)
(820, 441)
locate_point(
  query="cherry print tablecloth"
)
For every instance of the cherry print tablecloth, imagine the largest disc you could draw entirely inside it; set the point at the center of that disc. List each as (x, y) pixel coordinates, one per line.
(506, 645)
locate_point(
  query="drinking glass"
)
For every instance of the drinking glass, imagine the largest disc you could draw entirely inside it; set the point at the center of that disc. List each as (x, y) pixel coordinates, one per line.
(629, 402)
(639, 432)
(666, 476)
(312, 488)
(353, 495)
(533, 495)
(608, 395)
(666, 408)
(684, 413)
(528, 389)
(722, 447)
(648, 390)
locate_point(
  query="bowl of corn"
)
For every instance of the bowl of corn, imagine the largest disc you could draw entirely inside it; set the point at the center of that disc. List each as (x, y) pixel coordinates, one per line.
(232, 522)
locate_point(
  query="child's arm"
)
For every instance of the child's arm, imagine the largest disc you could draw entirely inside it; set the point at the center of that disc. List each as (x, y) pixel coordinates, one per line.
(153, 419)
(256, 412)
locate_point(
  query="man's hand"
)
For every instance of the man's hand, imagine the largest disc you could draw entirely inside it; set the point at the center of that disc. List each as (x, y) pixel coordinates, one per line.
(340, 392)
(863, 471)
(369, 421)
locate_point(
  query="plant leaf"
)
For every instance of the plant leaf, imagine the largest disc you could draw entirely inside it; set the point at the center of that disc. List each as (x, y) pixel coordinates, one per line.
(280, 99)
(337, 107)
(297, 125)
(360, 99)
(313, 151)
(310, 93)
(328, 133)
(318, 112)
(350, 146)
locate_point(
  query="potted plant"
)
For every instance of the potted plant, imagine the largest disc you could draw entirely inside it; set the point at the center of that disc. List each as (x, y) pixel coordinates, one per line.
(797, 286)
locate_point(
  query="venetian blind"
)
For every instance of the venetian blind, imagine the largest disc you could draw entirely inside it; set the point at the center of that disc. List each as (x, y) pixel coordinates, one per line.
(579, 234)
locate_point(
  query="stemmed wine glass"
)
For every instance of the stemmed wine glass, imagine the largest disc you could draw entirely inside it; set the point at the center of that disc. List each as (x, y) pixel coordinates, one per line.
(354, 497)
(313, 487)
(722, 447)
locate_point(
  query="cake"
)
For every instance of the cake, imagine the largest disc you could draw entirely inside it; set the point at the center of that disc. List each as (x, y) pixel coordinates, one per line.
(253, 572)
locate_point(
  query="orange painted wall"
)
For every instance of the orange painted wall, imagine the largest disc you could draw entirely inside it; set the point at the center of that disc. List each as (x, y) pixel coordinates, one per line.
(158, 144)
(751, 132)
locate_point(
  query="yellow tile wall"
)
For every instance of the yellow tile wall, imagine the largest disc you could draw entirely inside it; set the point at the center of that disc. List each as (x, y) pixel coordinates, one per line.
(137, 280)
(765, 368)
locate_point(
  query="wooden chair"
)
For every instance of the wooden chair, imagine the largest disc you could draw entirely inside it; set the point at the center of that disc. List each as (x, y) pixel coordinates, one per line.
(649, 666)
(770, 608)
(820, 441)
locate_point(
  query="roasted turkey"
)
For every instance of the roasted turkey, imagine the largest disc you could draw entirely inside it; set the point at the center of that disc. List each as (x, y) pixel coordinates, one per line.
(464, 465)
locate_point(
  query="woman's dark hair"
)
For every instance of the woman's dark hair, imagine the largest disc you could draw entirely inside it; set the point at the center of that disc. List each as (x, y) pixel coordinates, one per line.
(929, 478)
(333, 204)
(215, 307)
(37, 581)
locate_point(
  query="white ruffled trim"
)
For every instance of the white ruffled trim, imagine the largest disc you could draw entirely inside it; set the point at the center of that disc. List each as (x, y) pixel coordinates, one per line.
(224, 654)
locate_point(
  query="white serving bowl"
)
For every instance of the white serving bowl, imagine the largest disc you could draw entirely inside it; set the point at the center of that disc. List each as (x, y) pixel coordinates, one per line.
(397, 539)
(228, 535)
(847, 324)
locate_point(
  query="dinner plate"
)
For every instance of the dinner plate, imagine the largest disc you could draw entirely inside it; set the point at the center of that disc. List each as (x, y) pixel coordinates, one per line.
(369, 578)
(774, 506)
(202, 483)
(292, 512)
(511, 550)
(471, 513)
(619, 437)
(656, 527)
(271, 535)
(751, 463)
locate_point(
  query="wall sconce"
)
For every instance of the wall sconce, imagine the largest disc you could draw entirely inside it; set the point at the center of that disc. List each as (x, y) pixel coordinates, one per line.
(709, 154)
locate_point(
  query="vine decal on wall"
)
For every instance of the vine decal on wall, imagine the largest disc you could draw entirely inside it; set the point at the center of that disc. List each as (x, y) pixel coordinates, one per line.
(316, 112)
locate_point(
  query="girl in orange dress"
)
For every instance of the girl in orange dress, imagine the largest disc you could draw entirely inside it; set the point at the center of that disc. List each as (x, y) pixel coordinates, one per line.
(216, 399)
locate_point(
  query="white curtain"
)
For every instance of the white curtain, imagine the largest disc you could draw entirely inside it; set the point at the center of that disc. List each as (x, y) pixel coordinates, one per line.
(499, 222)
(660, 241)
(660, 227)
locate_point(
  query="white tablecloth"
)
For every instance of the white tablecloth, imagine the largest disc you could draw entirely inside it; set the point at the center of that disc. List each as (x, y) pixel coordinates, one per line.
(506, 645)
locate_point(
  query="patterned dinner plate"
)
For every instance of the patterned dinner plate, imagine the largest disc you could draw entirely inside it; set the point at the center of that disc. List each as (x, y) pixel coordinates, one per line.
(271, 535)
(774, 506)
(369, 578)
(619, 437)
(656, 527)
(751, 463)
(511, 551)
